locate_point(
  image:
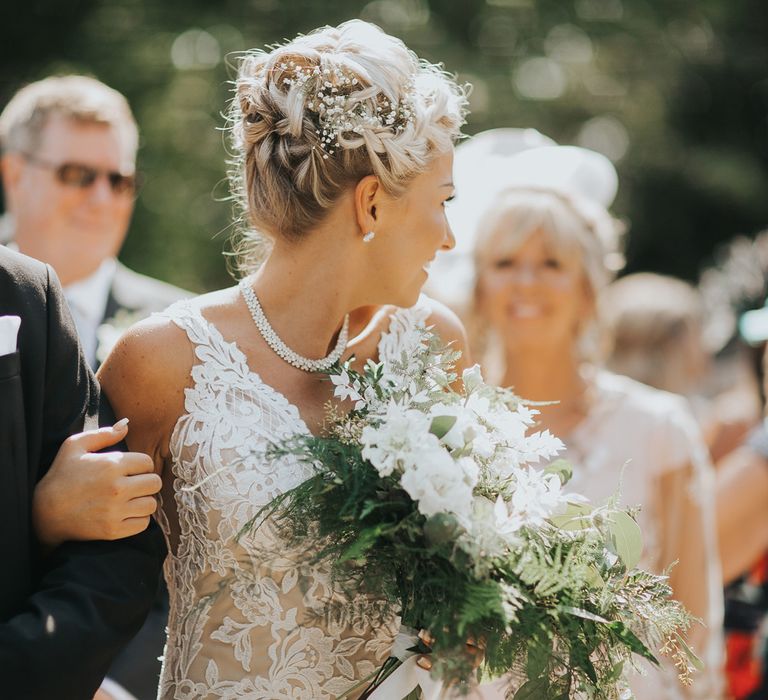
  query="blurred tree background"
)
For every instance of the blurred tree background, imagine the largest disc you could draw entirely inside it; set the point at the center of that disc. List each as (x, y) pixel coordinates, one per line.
(675, 92)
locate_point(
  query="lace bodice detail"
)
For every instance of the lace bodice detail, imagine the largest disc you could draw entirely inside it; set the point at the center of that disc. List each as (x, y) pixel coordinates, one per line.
(248, 617)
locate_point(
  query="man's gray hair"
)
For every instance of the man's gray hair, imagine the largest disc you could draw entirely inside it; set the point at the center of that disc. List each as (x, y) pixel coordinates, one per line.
(76, 97)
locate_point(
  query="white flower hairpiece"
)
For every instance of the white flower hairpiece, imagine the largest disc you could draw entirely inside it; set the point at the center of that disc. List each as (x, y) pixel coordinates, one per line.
(344, 107)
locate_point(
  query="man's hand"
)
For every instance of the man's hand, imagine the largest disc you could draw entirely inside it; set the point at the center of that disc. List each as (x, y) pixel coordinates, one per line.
(87, 495)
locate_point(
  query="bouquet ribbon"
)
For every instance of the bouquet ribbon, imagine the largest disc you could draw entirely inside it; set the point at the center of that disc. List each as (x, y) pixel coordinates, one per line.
(409, 674)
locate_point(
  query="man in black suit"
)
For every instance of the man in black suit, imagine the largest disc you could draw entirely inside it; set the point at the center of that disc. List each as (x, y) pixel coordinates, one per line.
(69, 177)
(66, 607)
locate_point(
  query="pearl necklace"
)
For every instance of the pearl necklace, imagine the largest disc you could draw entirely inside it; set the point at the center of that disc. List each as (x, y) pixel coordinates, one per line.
(280, 348)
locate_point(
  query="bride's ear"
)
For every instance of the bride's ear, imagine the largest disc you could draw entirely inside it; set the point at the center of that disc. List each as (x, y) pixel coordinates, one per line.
(368, 195)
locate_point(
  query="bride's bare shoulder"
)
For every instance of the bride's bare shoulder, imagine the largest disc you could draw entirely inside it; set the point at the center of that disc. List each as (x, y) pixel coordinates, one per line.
(159, 346)
(148, 369)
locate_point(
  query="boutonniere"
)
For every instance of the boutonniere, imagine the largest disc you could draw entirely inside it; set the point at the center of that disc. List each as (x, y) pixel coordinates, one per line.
(109, 332)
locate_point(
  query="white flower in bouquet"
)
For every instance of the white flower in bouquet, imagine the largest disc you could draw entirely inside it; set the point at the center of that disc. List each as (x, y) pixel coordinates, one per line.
(440, 484)
(510, 425)
(490, 531)
(470, 470)
(465, 430)
(536, 497)
(398, 440)
(507, 424)
(515, 448)
(472, 378)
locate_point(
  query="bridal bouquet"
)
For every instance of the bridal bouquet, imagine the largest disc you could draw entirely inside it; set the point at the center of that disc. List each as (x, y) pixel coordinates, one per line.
(438, 502)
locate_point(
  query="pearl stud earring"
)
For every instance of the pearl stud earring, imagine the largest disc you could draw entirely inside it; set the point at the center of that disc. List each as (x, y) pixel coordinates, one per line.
(368, 237)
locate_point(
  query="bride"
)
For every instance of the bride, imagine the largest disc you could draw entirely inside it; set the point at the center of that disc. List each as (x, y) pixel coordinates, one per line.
(345, 144)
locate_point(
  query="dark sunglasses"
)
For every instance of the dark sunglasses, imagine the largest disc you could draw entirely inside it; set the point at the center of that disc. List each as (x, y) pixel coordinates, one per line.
(82, 176)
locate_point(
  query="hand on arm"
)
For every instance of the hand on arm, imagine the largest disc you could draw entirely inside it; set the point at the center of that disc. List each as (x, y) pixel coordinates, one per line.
(91, 495)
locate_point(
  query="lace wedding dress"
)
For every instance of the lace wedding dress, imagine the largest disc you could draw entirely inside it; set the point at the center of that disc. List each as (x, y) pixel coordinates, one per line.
(248, 617)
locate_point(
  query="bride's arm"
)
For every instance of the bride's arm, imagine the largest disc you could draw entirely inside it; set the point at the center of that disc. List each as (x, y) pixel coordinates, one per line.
(144, 379)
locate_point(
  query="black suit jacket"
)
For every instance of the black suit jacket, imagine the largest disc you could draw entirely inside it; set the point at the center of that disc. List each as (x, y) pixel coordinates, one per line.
(63, 615)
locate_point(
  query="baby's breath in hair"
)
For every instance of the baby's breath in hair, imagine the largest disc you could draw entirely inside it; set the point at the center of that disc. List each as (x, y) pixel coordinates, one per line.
(333, 96)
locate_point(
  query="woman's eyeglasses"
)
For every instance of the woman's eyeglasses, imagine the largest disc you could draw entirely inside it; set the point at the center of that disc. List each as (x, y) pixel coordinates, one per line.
(82, 176)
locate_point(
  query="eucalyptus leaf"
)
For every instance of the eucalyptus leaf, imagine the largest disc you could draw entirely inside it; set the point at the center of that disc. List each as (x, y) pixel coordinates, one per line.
(625, 538)
(575, 517)
(441, 528)
(594, 577)
(697, 663)
(616, 672)
(580, 658)
(584, 614)
(535, 689)
(563, 469)
(632, 641)
(441, 425)
(365, 540)
(539, 656)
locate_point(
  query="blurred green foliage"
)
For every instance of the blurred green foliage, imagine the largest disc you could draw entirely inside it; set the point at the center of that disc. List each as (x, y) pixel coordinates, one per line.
(674, 91)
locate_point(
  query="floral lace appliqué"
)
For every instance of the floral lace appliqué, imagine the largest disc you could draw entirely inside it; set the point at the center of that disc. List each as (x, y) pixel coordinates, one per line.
(247, 615)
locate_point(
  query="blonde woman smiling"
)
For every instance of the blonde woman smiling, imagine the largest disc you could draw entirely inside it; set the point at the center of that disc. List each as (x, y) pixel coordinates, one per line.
(541, 257)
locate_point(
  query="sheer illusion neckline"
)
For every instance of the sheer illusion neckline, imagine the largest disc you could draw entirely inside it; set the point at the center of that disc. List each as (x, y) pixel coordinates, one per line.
(241, 358)
(239, 355)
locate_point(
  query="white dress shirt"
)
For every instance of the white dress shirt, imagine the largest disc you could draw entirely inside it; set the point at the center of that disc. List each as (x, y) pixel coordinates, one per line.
(87, 299)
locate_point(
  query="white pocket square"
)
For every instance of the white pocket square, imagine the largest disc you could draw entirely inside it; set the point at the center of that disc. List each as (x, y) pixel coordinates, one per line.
(9, 331)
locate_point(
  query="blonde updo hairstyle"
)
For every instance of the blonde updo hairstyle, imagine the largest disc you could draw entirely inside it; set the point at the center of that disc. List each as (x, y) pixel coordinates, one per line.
(285, 176)
(572, 224)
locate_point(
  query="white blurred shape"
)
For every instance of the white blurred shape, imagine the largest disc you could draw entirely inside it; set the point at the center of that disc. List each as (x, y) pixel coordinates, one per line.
(600, 10)
(479, 96)
(539, 78)
(606, 135)
(195, 49)
(495, 160)
(479, 168)
(397, 15)
(568, 44)
(568, 169)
